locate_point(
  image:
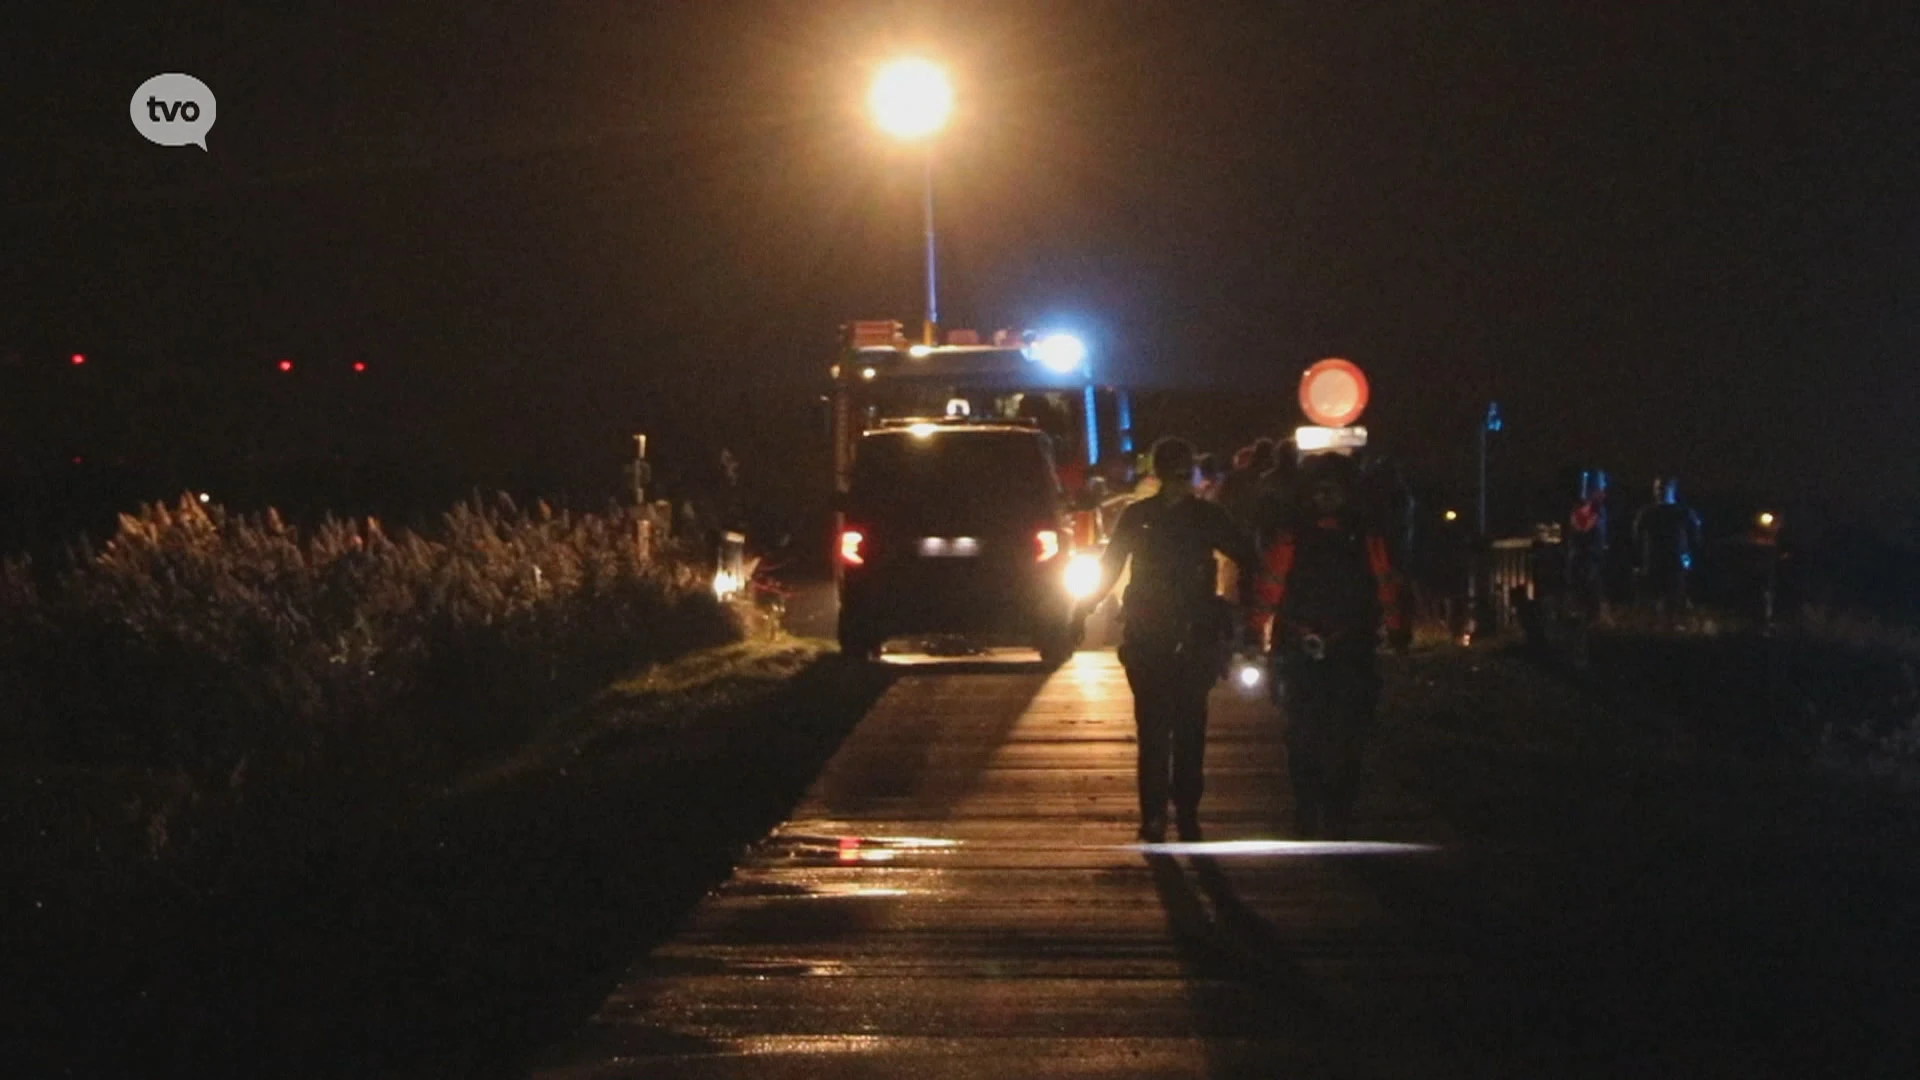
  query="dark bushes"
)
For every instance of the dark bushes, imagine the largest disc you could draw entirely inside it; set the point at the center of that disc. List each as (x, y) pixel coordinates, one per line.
(237, 652)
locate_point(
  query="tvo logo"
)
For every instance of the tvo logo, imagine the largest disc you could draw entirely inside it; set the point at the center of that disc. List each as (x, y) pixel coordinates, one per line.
(173, 110)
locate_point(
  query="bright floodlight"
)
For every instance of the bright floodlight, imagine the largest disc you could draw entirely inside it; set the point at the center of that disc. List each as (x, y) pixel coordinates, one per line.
(911, 99)
(1249, 676)
(1062, 353)
(1312, 438)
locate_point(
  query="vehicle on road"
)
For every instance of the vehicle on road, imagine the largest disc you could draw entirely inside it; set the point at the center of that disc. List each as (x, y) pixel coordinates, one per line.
(1045, 382)
(1046, 379)
(955, 527)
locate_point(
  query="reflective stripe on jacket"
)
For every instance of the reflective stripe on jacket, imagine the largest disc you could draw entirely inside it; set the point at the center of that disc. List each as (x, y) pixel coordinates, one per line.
(1352, 586)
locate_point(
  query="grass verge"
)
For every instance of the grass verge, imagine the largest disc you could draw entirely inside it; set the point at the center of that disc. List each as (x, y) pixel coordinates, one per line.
(1636, 899)
(462, 936)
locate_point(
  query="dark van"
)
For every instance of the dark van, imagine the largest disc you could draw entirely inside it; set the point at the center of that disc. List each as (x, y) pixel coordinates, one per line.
(955, 528)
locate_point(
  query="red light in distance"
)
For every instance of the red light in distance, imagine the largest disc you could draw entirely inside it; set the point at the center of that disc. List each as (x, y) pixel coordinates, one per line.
(77, 359)
(286, 365)
(359, 366)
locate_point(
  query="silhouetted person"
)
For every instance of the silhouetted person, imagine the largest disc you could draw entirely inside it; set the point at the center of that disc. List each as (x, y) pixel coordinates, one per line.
(1278, 486)
(1331, 586)
(1175, 630)
(1208, 485)
(1666, 534)
(1586, 543)
(1392, 509)
(1240, 489)
(1239, 495)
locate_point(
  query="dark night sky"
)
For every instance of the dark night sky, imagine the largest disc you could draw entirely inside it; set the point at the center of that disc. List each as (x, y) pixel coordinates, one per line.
(1662, 236)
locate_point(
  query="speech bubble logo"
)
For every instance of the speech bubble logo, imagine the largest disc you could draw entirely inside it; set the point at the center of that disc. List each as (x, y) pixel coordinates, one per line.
(173, 110)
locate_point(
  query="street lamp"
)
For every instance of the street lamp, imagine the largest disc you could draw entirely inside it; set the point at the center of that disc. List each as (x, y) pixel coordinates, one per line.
(1490, 424)
(911, 100)
(1480, 599)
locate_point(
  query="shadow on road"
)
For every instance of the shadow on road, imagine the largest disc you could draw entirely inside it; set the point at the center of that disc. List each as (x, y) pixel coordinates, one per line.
(906, 762)
(1242, 975)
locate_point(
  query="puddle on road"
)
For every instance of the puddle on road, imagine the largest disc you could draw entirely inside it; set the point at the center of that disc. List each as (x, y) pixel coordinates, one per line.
(834, 890)
(810, 1044)
(787, 863)
(829, 850)
(810, 890)
(1282, 848)
(710, 966)
(643, 1045)
(825, 850)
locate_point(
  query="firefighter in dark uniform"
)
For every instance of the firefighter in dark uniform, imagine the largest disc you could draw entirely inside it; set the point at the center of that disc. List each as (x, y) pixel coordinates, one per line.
(1667, 534)
(1177, 632)
(1330, 586)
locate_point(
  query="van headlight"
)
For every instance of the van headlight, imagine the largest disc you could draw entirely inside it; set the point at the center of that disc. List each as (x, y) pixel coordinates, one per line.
(1083, 575)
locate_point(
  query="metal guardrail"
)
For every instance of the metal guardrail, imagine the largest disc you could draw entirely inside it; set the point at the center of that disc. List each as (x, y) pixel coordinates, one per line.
(1512, 571)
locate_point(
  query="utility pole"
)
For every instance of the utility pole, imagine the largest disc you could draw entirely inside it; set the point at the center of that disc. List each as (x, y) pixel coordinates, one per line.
(643, 519)
(1479, 603)
(1490, 424)
(930, 331)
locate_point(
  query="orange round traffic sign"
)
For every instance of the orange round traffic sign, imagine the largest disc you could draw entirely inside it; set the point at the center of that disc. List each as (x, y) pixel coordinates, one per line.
(1333, 393)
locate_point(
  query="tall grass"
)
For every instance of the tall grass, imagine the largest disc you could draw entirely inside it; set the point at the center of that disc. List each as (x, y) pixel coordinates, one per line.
(237, 652)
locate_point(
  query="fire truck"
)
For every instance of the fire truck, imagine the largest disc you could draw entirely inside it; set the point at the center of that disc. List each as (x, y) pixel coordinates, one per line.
(1011, 376)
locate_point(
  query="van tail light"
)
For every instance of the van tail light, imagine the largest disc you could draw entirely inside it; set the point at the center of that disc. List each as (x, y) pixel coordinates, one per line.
(1046, 544)
(850, 543)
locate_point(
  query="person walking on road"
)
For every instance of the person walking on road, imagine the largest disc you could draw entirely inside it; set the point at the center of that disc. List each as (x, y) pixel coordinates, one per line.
(1240, 493)
(1240, 496)
(1176, 630)
(1331, 587)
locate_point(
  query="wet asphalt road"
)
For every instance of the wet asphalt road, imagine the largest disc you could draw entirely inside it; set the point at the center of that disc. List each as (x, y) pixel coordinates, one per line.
(960, 895)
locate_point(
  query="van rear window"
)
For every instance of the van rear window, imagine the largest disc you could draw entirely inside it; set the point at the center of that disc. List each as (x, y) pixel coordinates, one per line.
(953, 470)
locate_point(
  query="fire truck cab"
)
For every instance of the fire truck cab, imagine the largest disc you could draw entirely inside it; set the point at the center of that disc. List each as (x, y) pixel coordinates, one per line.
(1044, 379)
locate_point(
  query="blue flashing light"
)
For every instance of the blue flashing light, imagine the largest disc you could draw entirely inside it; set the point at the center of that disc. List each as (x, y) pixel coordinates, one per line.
(1062, 354)
(1093, 427)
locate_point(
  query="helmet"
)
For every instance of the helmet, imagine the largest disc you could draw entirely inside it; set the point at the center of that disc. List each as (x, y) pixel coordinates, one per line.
(1328, 484)
(1329, 468)
(1171, 457)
